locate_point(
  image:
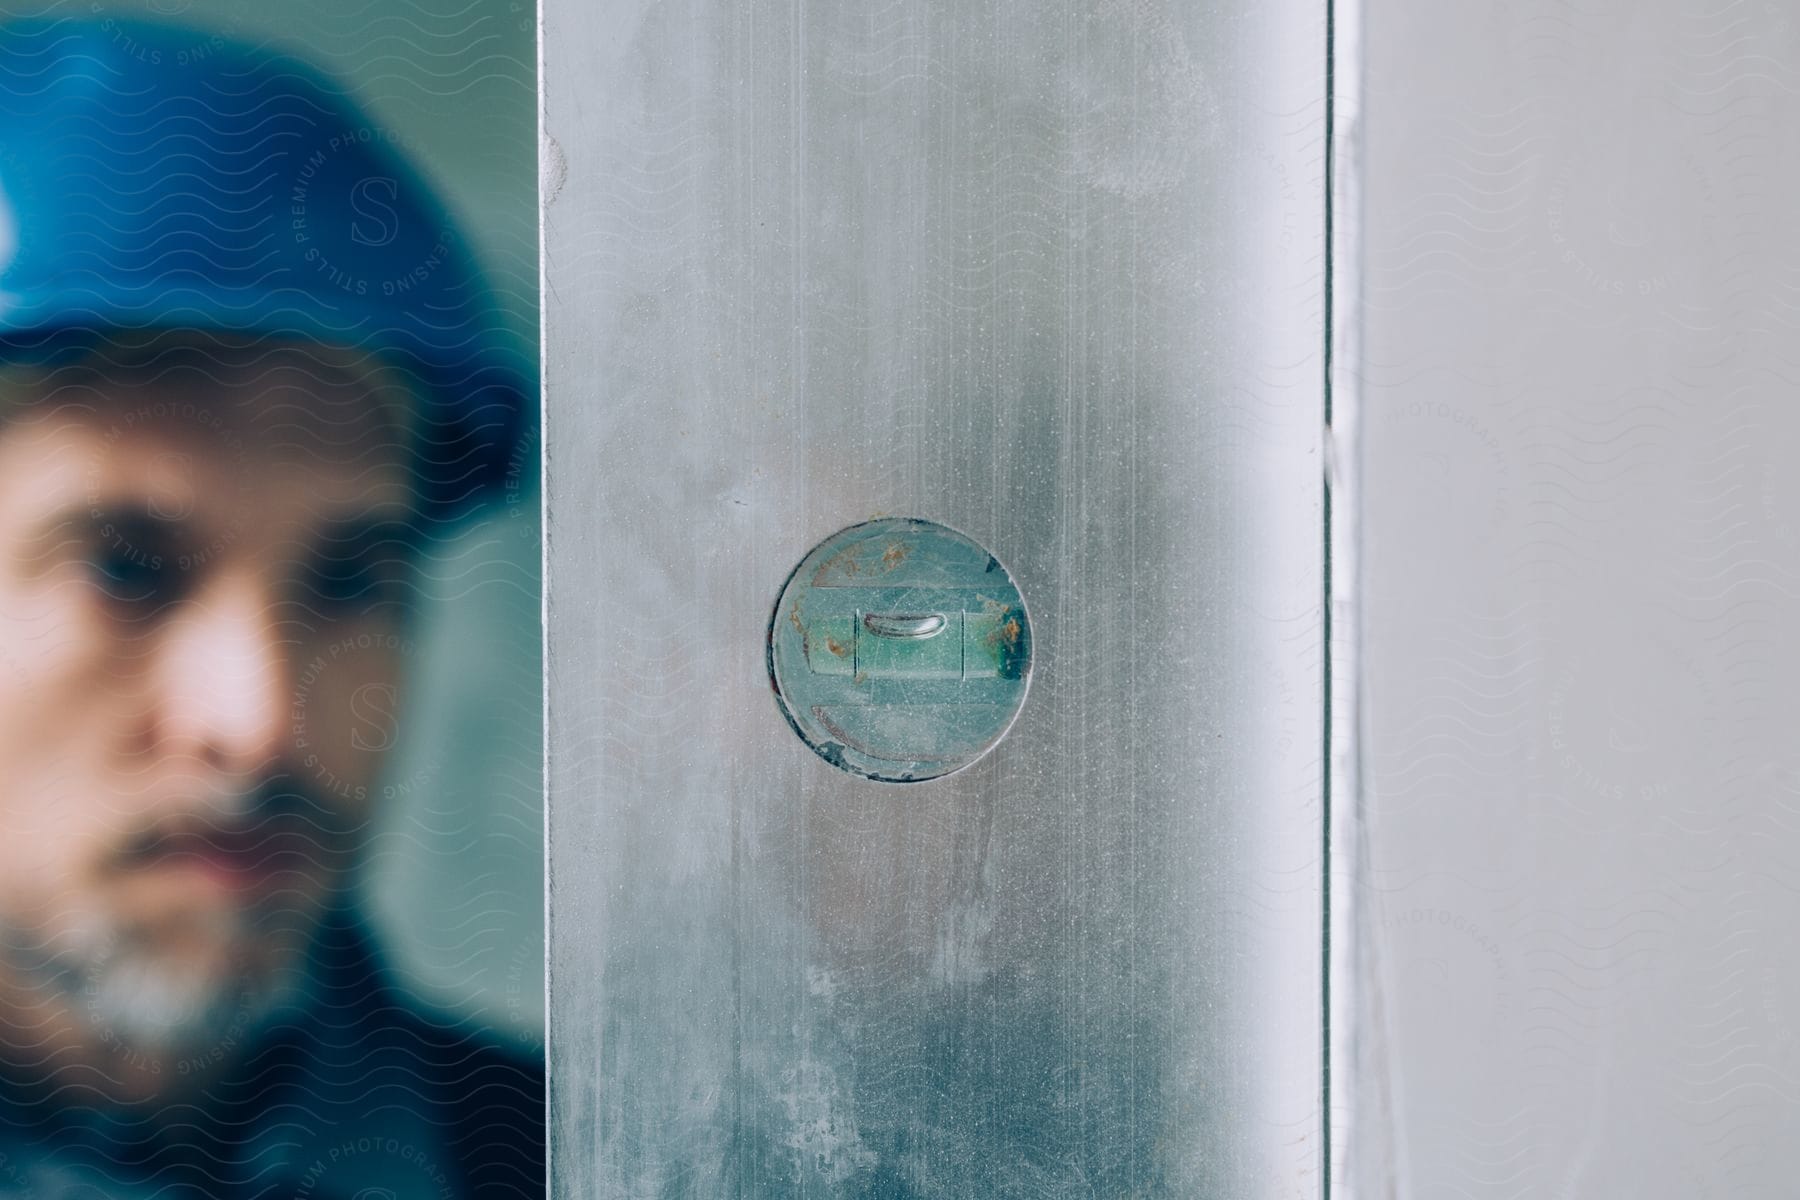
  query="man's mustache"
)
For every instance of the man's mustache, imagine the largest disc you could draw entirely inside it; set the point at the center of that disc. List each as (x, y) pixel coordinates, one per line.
(280, 813)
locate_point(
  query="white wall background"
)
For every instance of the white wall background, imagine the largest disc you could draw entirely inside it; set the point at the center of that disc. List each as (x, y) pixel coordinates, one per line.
(1581, 547)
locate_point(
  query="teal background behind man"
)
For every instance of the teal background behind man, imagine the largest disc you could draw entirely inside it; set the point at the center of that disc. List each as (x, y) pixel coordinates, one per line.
(254, 385)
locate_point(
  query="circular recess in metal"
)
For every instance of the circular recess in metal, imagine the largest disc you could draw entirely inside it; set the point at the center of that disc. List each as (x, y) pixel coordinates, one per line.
(900, 650)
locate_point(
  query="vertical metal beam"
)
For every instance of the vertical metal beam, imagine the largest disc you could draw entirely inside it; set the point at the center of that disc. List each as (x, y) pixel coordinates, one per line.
(1051, 274)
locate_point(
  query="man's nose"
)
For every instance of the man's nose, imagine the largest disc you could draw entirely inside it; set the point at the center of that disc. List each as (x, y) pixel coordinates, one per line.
(222, 677)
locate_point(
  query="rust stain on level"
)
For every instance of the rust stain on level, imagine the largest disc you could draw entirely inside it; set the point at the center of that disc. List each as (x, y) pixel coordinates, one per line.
(1006, 639)
(1004, 630)
(799, 626)
(844, 560)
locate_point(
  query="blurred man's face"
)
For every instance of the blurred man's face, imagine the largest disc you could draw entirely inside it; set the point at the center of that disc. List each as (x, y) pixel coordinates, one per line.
(202, 587)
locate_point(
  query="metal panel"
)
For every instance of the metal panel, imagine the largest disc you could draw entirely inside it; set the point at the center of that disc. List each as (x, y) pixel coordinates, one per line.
(1580, 582)
(1051, 274)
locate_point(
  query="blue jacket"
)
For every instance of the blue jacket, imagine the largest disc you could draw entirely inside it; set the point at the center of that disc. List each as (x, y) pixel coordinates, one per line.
(368, 1097)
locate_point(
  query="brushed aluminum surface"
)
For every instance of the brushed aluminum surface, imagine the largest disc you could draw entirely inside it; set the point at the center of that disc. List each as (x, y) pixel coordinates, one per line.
(1049, 273)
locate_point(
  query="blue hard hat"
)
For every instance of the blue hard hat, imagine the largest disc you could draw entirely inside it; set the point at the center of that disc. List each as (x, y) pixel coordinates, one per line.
(157, 177)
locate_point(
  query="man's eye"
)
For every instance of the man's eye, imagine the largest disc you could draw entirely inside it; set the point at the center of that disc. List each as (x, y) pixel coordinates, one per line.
(129, 575)
(357, 583)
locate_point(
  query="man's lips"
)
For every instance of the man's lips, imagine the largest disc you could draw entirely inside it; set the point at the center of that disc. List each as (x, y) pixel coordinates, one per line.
(231, 859)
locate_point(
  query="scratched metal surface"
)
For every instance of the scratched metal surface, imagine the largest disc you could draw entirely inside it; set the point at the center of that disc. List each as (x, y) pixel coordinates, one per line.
(1582, 564)
(1049, 273)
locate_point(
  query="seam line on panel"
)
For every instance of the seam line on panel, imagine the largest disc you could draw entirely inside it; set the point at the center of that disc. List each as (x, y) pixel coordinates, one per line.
(1346, 1067)
(1326, 642)
(543, 445)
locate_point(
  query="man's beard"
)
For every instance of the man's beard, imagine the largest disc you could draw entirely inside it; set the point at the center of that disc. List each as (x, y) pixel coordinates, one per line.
(128, 988)
(131, 994)
(189, 983)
